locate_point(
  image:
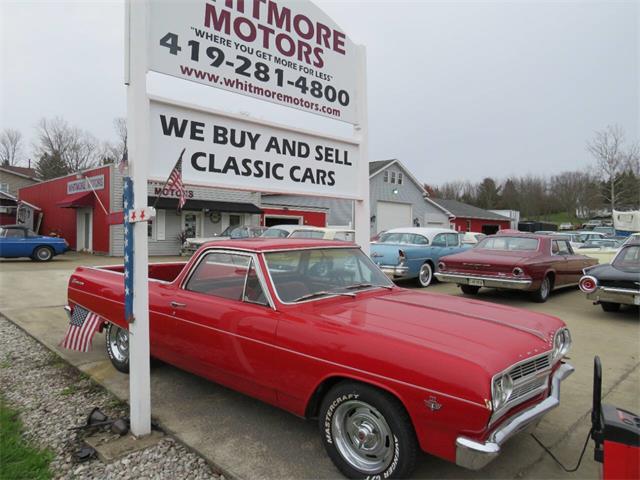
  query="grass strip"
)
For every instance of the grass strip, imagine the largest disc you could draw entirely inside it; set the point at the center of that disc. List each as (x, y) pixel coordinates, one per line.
(18, 460)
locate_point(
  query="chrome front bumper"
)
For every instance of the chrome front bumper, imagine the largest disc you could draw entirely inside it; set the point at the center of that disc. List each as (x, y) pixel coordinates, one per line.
(397, 271)
(475, 455)
(490, 282)
(624, 296)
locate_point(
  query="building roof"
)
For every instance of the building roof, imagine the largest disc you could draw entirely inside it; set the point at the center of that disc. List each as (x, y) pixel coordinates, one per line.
(20, 171)
(378, 165)
(463, 210)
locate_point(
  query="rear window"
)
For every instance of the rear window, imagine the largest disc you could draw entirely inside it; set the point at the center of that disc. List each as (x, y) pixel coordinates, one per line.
(275, 233)
(628, 259)
(509, 243)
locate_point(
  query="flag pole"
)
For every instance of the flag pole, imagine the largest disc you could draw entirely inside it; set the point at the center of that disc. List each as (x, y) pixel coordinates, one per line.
(169, 177)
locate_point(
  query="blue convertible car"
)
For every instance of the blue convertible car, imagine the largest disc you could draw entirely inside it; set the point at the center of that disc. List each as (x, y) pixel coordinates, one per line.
(404, 253)
(18, 241)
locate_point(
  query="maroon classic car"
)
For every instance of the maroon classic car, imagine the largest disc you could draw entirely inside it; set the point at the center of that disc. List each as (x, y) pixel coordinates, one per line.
(516, 261)
(315, 328)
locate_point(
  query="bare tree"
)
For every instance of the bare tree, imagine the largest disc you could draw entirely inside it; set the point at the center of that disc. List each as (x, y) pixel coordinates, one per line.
(612, 159)
(113, 152)
(10, 147)
(76, 147)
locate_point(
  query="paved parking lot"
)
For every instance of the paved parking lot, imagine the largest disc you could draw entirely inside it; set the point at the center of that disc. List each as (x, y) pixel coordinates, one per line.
(248, 439)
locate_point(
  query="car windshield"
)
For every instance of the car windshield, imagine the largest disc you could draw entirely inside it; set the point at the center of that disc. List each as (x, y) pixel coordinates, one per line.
(275, 233)
(628, 259)
(509, 243)
(11, 232)
(299, 275)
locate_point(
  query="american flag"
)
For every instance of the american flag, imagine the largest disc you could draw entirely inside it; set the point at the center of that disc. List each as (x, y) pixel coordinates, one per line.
(82, 326)
(175, 182)
(128, 250)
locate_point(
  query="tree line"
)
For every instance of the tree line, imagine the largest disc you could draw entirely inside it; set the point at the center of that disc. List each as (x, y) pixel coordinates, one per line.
(60, 148)
(611, 182)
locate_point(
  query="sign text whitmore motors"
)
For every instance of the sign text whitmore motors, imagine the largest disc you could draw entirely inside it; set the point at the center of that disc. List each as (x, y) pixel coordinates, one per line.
(82, 185)
(232, 152)
(286, 52)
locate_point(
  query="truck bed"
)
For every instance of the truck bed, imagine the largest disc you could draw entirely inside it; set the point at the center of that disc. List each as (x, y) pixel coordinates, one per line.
(166, 272)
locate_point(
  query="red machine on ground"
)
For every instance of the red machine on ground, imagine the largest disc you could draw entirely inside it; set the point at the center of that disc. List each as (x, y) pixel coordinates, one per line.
(616, 433)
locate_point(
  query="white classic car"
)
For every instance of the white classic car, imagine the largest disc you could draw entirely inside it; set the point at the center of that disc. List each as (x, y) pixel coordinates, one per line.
(303, 231)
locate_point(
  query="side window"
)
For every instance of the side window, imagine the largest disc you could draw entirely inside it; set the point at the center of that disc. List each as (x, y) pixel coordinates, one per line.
(440, 240)
(564, 247)
(556, 247)
(14, 233)
(400, 179)
(220, 274)
(307, 234)
(393, 177)
(385, 176)
(253, 292)
(453, 239)
(420, 240)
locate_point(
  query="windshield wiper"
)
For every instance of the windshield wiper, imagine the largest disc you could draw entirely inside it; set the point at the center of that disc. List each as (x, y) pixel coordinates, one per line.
(323, 293)
(367, 285)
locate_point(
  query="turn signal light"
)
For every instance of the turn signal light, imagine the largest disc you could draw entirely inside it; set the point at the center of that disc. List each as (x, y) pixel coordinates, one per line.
(588, 284)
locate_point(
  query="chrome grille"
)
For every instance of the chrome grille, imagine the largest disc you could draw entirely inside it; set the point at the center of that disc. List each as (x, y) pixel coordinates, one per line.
(528, 387)
(529, 368)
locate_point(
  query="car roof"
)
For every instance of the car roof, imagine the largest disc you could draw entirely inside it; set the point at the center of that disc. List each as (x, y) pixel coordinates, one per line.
(264, 244)
(426, 231)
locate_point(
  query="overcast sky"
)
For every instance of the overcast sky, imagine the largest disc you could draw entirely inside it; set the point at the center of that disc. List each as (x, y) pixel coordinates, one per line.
(457, 90)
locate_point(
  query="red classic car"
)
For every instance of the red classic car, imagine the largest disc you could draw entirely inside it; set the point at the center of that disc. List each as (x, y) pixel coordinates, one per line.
(516, 261)
(315, 328)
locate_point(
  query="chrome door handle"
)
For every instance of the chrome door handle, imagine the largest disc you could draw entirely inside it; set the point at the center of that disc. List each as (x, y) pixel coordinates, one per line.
(177, 304)
(76, 282)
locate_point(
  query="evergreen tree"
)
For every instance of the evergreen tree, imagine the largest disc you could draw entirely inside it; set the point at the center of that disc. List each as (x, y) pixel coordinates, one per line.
(51, 166)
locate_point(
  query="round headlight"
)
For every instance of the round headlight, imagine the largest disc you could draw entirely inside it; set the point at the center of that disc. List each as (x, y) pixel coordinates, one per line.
(561, 343)
(502, 390)
(441, 266)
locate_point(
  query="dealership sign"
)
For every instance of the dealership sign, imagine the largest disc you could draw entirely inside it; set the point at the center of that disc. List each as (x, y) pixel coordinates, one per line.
(86, 184)
(223, 150)
(286, 52)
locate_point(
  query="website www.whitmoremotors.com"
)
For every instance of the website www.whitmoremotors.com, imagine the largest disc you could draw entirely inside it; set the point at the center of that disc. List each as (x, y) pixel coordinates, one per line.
(244, 86)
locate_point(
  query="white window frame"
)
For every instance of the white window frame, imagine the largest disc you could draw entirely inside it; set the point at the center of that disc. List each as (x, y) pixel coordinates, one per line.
(385, 176)
(393, 177)
(400, 178)
(4, 187)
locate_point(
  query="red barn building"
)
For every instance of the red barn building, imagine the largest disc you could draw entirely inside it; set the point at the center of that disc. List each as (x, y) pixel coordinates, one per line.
(473, 219)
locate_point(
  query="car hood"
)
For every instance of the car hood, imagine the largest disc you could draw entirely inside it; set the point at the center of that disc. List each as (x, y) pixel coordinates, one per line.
(493, 336)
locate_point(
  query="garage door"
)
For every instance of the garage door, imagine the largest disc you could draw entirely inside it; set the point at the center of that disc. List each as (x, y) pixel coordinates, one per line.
(393, 215)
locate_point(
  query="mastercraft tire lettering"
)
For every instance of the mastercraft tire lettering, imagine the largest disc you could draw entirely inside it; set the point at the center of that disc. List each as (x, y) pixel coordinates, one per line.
(367, 432)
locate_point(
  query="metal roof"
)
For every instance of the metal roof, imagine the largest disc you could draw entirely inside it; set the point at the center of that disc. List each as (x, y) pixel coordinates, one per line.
(463, 210)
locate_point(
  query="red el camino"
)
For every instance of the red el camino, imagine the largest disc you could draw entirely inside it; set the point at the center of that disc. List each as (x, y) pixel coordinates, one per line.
(315, 328)
(516, 261)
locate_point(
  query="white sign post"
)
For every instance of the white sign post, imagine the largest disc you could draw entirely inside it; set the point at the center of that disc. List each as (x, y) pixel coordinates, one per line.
(138, 150)
(287, 52)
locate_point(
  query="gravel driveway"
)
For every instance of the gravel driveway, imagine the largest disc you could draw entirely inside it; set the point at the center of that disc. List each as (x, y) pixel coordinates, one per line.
(52, 396)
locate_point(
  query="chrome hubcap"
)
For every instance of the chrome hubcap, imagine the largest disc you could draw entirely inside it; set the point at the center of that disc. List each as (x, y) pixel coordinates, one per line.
(363, 437)
(544, 289)
(43, 254)
(119, 343)
(425, 274)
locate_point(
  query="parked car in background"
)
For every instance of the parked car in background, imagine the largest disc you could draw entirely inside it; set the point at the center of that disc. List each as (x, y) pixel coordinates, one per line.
(302, 231)
(606, 230)
(576, 239)
(529, 262)
(313, 327)
(587, 235)
(603, 249)
(565, 226)
(407, 253)
(19, 241)
(545, 232)
(471, 238)
(617, 283)
(235, 232)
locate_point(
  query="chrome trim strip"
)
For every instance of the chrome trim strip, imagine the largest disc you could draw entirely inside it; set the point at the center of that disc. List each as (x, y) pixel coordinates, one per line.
(475, 455)
(619, 290)
(502, 281)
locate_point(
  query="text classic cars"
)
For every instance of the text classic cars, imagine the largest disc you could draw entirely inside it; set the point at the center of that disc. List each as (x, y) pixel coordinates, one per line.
(515, 261)
(406, 253)
(617, 283)
(315, 328)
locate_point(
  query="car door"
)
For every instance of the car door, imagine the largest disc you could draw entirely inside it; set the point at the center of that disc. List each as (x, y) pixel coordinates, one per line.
(13, 243)
(561, 253)
(225, 324)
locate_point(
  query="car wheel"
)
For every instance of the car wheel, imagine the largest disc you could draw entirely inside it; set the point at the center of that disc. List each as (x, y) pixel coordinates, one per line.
(42, 254)
(542, 294)
(469, 289)
(425, 276)
(367, 432)
(117, 340)
(610, 307)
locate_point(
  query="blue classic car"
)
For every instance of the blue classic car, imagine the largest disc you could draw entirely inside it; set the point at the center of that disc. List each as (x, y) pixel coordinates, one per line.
(404, 253)
(18, 241)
